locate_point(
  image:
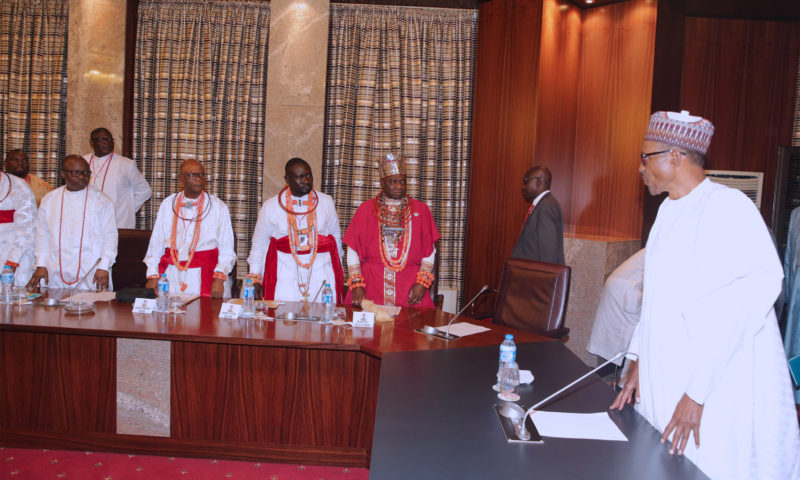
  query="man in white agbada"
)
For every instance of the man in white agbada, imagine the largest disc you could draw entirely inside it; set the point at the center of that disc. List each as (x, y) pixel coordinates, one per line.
(711, 373)
(619, 309)
(193, 227)
(17, 226)
(74, 229)
(297, 241)
(117, 177)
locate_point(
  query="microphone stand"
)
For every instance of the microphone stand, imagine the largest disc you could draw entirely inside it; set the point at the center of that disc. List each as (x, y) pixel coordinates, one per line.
(72, 292)
(431, 330)
(520, 429)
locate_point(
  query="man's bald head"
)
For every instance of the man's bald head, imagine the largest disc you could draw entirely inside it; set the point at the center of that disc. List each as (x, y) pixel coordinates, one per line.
(193, 177)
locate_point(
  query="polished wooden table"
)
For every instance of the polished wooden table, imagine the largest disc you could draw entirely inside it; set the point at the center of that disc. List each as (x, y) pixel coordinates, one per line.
(272, 390)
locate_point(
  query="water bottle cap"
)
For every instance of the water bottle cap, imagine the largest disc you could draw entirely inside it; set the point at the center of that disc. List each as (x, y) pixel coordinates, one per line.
(509, 336)
(249, 281)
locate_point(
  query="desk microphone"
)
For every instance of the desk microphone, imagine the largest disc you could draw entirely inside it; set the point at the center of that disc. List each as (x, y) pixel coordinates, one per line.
(429, 328)
(520, 429)
(82, 279)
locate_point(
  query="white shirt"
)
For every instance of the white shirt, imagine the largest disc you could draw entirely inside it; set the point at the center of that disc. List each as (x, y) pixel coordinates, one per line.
(118, 177)
(708, 330)
(273, 223)
(16, 238)
(99, 238)
(215, 232)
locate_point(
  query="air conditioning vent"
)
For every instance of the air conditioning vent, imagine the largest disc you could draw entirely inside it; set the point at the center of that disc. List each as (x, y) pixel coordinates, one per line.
(749, 183)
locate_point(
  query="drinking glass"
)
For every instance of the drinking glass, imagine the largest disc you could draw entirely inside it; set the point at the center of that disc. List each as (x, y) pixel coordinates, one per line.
(509, 382)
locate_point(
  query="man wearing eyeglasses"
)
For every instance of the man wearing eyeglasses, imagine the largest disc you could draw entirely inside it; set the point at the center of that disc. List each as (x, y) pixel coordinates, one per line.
(192, 240)
(118, 177)
(75, 227)
(542, 236)
(711, 374)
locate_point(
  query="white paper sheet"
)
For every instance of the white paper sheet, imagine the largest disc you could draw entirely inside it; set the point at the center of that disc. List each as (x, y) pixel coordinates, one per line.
(591, 426)
(91, 297)
(463, 329)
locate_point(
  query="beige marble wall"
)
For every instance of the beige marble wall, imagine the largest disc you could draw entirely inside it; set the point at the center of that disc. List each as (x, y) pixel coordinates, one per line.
(298, 40)
(592, 260)
(95, 70)
(143, 386)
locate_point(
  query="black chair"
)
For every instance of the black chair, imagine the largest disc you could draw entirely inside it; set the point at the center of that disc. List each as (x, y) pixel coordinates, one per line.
(129, 269)
(533, 297)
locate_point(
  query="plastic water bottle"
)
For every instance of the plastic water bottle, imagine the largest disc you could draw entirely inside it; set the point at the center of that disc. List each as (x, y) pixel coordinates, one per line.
(508, 354)
(508, 350)
(327, 299)
(249, 299)
(162, 304)
(8, 285)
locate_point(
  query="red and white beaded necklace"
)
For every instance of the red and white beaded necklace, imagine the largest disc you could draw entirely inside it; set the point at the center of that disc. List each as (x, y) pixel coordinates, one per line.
(80, 248)
(106, 165)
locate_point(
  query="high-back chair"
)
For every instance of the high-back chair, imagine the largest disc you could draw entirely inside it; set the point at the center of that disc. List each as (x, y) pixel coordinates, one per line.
(533, 297)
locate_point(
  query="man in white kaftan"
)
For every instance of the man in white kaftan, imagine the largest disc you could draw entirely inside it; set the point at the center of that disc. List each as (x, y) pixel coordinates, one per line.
(294, 251)
(192, 212)
(75, 227)
(118, 177)
(17, 227)
(619, 309)
(710, 360)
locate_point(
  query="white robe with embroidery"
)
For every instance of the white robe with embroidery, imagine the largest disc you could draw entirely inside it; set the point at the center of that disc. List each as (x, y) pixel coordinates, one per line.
(708, 329)
(99, 236)
(121, 180)
(273, 222)
(16, 238)
(215, 232)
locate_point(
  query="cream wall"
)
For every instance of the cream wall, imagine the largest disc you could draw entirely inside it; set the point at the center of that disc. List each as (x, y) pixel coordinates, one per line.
(295, 81)
(95, 71)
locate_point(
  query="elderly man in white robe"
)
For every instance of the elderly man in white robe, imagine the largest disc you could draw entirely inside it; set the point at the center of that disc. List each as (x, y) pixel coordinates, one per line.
(17, 227)
(118, 177)
(75, 230)
(297, 241)
(711, 373)
(192, 240)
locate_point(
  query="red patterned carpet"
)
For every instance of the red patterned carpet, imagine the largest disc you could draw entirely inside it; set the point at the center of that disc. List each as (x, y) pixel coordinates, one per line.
(24, 464)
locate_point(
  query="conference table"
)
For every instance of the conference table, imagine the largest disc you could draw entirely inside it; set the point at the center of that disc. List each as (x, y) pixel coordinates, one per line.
(195, 384)
(436, 419)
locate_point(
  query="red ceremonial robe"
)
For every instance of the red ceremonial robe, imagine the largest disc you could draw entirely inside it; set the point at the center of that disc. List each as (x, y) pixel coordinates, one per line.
(363, 235)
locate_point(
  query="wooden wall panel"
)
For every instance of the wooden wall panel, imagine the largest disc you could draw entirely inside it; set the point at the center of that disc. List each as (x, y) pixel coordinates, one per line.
(615, 85)
(558, 95)
(741, 74)
(54, 382)
(240, 393)
(504, 134)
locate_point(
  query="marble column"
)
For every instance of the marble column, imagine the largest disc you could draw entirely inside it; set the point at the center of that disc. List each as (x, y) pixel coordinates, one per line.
(592, 259)
(95, 71)
(298, 52)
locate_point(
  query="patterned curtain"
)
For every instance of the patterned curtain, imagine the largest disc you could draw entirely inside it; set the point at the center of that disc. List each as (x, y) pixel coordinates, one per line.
(400, 80)
(33, 82)
(200, 92)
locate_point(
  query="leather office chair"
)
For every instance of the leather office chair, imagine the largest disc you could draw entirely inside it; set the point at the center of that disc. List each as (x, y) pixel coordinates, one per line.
(129, 269)
(533, 297)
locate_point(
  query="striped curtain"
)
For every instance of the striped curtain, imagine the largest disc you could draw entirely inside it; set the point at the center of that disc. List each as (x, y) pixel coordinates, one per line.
(33, 82)
(200, 92)
(400, 80)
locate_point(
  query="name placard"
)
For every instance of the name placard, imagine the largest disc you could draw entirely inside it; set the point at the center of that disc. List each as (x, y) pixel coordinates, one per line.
(230, 310)
(144, 305)
(363, 319)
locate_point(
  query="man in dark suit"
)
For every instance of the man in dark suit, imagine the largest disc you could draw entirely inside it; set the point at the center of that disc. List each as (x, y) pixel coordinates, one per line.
(542, 237)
